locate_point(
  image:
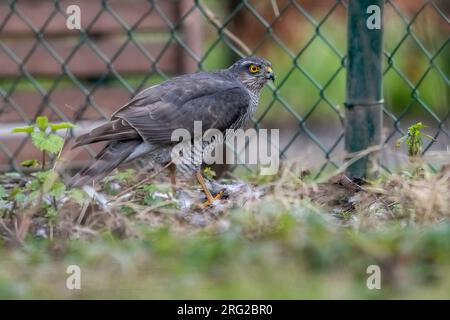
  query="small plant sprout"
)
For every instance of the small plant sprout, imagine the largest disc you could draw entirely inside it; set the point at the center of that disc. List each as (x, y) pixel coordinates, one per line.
(209, 172)
(44, 138)
(413, 140)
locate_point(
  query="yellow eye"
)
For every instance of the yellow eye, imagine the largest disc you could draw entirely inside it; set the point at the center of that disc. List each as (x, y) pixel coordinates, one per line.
(253, 68)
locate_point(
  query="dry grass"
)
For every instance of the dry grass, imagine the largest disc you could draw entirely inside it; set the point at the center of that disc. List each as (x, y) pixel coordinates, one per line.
(401, 198)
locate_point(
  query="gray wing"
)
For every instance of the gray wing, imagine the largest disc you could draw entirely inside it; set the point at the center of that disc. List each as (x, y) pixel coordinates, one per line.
(216, 99)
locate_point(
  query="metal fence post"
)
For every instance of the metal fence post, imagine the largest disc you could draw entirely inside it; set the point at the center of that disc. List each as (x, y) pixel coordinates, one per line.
(364, 96)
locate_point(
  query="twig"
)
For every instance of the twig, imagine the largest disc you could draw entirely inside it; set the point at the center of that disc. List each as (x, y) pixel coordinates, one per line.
(9, 231)
(43, 160)
(276, 11)
(216, 22)
(83, 212)
(60, 150)
(354, 157)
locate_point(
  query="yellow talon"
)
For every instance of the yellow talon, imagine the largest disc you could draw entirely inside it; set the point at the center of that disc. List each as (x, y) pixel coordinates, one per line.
(210, 201)
(209, 196)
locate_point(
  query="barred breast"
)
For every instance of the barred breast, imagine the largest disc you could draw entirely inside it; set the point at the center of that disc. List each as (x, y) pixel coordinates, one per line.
(187, 166)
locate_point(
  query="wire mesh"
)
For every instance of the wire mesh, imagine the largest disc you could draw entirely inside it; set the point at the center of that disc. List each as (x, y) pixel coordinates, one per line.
(304, 39)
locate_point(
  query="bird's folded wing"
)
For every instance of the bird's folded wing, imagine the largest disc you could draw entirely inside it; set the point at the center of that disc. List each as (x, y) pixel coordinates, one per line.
(217, 106)
(116, 130)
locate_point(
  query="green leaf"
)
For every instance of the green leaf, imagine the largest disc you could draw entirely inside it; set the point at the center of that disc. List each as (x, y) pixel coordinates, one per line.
(51, 143)
(12, 175)
(27, 129)
(18, 195)
(127, 210)
(57, 189)
(428, 136)
(37, 183)
(50, 212)
(30, 163)
(54, 143)
(154, 194)
(77, 195)
(50, 183)
(149, 198)
(42, 175)
(42, 122)
(126, 176)
(3, 193)
(419, 125)
(38, 138)
(62, 125)
(210, 173)
(150, 188)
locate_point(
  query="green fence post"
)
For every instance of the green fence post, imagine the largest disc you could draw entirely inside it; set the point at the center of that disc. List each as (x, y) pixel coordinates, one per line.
(364, 95)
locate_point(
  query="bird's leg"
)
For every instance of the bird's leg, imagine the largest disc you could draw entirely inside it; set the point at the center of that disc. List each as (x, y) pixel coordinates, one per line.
(173, 176)
(209, 196)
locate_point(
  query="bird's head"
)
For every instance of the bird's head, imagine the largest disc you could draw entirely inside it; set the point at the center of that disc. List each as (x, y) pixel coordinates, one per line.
(253, 72)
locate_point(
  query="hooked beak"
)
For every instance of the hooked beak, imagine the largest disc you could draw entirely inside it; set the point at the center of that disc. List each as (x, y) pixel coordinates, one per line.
(269, 74)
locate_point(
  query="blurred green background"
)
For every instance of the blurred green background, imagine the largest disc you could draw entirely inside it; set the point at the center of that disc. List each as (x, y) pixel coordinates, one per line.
(268, 254)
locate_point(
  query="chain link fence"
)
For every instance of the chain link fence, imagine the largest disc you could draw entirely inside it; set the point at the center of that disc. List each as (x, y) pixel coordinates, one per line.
(83, 75)
(429, 76)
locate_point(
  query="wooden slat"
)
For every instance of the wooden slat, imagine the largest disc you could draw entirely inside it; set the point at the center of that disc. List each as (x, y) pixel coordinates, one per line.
(130, 11)
(86, 62)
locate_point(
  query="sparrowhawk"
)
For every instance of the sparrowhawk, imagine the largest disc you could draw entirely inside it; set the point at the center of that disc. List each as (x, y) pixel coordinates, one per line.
(221, 99)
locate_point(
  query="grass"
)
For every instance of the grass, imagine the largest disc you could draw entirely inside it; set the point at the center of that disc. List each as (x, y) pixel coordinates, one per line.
(278, 263)
(297, 239)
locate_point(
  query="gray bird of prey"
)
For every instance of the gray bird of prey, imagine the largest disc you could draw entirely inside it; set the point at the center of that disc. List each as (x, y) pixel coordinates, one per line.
(221, 99)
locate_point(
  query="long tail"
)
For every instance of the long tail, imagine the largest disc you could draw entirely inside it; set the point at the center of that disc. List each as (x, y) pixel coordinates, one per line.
(106, 161)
